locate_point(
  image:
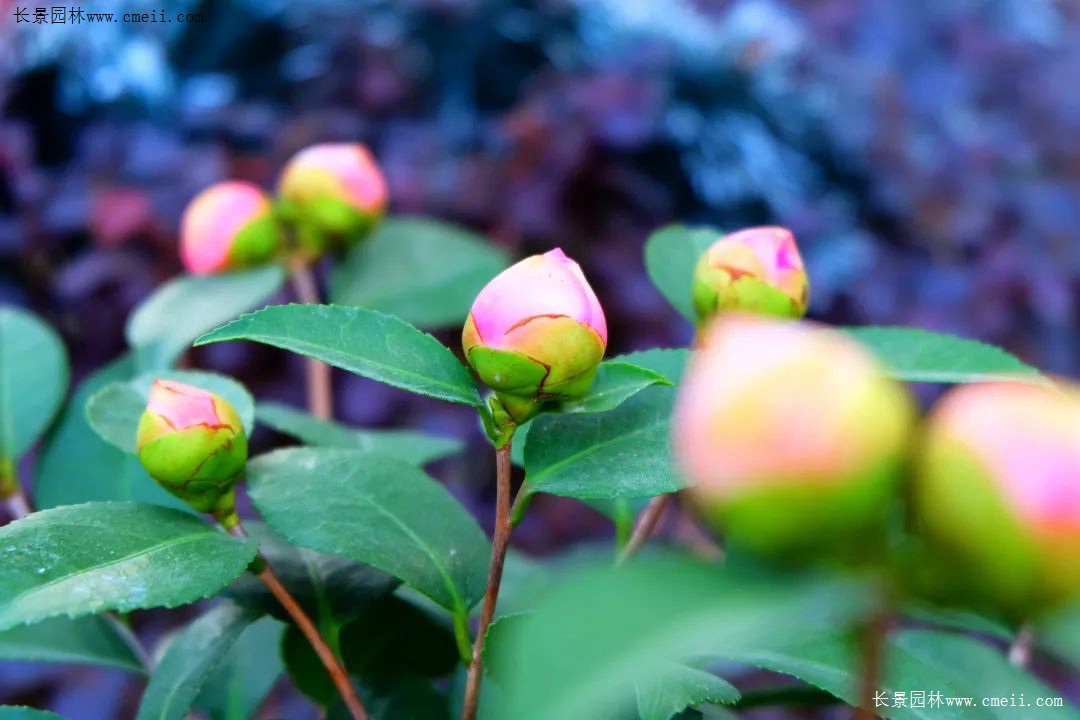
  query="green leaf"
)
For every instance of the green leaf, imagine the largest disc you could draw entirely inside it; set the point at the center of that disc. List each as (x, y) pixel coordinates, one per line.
(600, 630)
(918, 355)
(397, 698)
(33, 380)
(423, 271)
(188, 661)
(375, 510)
(413, 447)
(623, 453)
(85, 559)
(331, 589)
(920, 660)
(670, 256)
(165, 324)
(1059, 634)
(8, 712)
(677, 687)
(362, 341)
(247, 673)
(391, 638)
(615, 383)
(87, 640)
(114, 411)
(77, 466)
(668, 362)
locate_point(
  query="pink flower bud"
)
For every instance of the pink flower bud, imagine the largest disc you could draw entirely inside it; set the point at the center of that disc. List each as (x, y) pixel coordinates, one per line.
(997, 494)
(535, 333)
(757, 270)
(791, 435)
(228, 226)
(335, 193)
(193, 443)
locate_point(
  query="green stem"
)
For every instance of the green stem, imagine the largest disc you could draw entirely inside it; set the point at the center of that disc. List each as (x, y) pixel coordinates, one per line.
(461, 635)
(624, 524)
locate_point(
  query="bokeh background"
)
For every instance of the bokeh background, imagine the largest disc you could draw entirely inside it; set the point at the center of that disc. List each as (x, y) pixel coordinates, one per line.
(925, 153)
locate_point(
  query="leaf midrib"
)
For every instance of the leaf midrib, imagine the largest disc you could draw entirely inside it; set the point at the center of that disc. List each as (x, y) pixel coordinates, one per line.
(540, 477)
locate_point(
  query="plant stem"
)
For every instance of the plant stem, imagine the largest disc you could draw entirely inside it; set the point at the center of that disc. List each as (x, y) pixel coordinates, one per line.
(1022, 646)
(500, 543)
(873, 636)
(333, 666)
(320, 391)
(647, 522)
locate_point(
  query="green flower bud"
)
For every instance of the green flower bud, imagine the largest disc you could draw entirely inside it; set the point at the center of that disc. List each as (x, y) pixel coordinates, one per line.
(334, 194)
(193, 443)
(758, 271)
(536, 333)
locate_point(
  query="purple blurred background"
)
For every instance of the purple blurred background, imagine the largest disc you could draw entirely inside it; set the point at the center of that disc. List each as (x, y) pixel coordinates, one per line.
(925, 153)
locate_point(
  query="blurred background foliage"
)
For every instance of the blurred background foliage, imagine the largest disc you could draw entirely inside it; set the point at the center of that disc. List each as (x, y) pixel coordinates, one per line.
(923, 152)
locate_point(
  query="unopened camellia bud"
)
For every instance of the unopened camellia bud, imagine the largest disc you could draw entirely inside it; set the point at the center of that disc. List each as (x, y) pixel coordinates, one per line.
(228, 226)
(192, 442)
(334, 193)
(536, 333)
(757, 270)
(996, 497)
(792, 438)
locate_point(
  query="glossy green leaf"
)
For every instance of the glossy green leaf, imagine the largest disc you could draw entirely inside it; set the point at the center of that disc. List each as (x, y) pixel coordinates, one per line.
(164, 325)
(413, 447)
(670, 256)
(375, 510)
(918, 355)
(331, 589)
(77, 466)
(623, 453)
(588, 636)
(676, 687)
(362, 341)
(87, 640)
(425, 272)
(955, 666)
(9, 712)
(84, 559)
(188, 661)
(33, 380)
(244, 677)
(114, 411)
(615, 383)
(669, 362)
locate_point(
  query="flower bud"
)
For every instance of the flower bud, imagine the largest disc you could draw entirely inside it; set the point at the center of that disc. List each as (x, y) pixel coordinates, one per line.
(228, 226)
(334, 193)
(192, 442)
(536, 333)
(792, 437)
(996, 497)
(757, 270)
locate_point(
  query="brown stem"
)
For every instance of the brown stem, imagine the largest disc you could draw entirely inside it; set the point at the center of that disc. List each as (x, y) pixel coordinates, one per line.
(500, 543)
(647, 522)
(873, 637)
(320, 391)
(326, 655)
(1022, 646)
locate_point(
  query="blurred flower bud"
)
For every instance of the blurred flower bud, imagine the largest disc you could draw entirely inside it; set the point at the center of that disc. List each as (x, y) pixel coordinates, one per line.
(996, 496)
(792, 437)
(757, 270)
(536, 333)
(228, 226)
(334, 193)
(192, 442)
